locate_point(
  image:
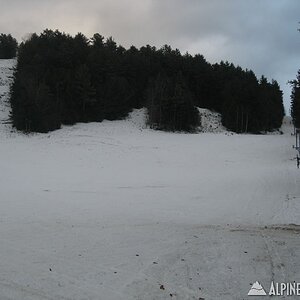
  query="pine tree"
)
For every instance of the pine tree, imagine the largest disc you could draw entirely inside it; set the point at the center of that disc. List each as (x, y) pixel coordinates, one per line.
(170, 104)
(84, 92)
(295, 101)
(8, 46)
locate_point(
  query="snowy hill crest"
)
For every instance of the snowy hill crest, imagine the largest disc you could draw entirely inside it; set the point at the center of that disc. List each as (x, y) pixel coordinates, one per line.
(210, 121)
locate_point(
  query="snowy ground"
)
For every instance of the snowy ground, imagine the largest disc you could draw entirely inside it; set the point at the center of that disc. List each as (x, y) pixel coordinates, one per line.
(117, 211)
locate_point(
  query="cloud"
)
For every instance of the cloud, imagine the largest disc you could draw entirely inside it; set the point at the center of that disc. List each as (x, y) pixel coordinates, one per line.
(259, 35)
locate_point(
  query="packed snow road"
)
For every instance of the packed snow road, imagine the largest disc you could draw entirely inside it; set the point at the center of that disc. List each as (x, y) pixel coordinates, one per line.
(118, 211)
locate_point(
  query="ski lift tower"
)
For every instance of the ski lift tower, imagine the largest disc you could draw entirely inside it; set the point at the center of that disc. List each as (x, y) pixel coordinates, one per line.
(297, 146)
(297, 135)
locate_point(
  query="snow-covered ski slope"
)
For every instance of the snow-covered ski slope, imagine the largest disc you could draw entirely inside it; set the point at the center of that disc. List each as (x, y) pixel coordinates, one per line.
(114, 210)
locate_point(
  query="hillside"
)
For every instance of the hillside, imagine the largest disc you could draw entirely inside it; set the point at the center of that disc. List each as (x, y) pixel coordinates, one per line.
(115, 210)
(63, 80)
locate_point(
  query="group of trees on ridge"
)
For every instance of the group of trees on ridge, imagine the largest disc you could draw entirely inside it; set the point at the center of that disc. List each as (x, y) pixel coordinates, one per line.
(8, 46)
(60, 79)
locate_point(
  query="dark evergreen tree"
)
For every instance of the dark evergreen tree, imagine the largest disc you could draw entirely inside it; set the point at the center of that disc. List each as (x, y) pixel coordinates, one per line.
(295, 101)
(170, 105)
(84, 93)
(8, 46)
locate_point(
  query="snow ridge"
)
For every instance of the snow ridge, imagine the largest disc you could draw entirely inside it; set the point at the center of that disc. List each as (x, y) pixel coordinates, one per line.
(210, 121)
(6, 77)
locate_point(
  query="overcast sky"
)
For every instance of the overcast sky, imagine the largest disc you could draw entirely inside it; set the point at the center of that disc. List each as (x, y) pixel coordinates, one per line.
(256, 34)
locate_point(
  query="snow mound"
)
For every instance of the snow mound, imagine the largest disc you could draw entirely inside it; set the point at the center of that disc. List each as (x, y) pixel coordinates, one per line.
(210, 121)
(138, 118)
(6, 73)
(6, 77)
(287, 123)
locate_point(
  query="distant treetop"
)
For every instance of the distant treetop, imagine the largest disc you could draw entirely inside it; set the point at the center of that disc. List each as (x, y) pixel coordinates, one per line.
(8, 46)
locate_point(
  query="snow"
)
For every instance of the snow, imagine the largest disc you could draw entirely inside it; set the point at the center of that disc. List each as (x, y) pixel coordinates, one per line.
(6, 73)
(115, 210)
(210, 121)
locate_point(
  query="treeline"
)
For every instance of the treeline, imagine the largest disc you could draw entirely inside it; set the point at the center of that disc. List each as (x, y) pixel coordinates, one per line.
(295, 101)
(61, 79)
(8, 46)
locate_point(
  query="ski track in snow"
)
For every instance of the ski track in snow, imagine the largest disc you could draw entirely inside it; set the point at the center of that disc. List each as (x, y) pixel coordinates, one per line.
(115, 210)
